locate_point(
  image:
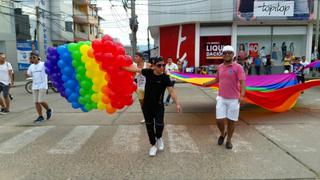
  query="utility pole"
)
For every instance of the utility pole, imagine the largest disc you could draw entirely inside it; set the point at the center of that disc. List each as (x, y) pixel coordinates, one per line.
(38, 28)
(149, 53)
(316, 45)
(134, 27)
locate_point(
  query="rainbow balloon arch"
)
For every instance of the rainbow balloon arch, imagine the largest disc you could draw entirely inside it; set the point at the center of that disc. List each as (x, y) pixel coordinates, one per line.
(88, 74)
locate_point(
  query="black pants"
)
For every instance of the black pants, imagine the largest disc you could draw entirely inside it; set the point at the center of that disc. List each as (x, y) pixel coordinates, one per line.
(300, 79)
(153, 116)
(169, 96)
(257, 70)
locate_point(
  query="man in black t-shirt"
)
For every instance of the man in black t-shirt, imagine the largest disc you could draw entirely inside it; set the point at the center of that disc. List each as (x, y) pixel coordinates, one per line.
(153, 107)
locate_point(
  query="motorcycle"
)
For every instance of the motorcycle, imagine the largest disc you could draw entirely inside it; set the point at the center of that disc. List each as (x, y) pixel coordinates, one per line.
(28, 86)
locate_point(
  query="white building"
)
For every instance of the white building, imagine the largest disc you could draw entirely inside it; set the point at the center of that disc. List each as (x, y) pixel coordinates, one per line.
(197, 30)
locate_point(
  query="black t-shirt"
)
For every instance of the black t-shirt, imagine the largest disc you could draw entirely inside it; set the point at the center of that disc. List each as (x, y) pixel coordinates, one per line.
(155, 87)
(246, 6)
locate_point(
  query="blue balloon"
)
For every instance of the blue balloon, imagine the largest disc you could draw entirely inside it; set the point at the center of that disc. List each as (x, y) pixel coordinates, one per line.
(71, 84)
(73, 97)
(76, 105)
(68, 71)
(65, 78)
(68, 92)
(83, 109)
(61, 64)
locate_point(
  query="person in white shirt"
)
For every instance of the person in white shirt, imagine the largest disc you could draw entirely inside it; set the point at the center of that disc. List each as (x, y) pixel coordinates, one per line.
(39, 85)
(305, 63)
(6, 80)
(140, 79)
(170, 67)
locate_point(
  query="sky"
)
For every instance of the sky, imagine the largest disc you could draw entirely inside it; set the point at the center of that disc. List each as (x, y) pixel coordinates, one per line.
(117, 20)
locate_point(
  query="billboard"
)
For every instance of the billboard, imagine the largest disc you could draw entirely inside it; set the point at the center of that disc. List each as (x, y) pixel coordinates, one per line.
(24, 48)
(251, 10)
(211, 49)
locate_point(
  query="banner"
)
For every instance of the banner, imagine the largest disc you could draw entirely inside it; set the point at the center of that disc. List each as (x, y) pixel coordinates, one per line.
(251, 10)
(24, 48)
(254, 50)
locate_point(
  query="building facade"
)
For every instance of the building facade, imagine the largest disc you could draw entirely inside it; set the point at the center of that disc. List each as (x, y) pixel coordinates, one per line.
(198, 30)
(86, 20)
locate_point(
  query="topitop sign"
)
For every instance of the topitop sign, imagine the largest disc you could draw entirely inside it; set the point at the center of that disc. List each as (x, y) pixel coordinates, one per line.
(273, 8)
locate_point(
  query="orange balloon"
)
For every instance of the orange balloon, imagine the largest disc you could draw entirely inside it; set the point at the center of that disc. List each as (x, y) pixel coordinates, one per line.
(105, 99)
(90, 53)
(105, 89)
(110, 109)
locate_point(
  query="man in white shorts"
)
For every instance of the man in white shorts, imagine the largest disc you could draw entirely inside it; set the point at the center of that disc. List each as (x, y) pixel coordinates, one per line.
(231, 79)
(39, 85)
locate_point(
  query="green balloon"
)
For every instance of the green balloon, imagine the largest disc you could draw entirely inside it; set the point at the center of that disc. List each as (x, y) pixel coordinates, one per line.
(72, 47)
(94, 106)
(76, 55)
(81, 100)
(88, 107)
(81, 70)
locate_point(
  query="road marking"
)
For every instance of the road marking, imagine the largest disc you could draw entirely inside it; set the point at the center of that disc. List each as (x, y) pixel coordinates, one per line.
(74, 140)
(126, 139)
(19, 141)
(180, 140)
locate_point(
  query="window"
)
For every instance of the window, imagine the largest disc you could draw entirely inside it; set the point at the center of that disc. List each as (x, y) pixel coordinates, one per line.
(68, 25)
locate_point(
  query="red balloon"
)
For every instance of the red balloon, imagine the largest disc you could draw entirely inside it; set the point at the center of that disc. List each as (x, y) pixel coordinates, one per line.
(128, 61)
(120, 50)
(97, 45)
(98, 56)
(120, 61)
(108, 46)
(106, 38)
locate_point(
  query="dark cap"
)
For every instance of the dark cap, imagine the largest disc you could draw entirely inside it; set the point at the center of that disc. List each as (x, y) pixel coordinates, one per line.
(34, 53)
(155, 60)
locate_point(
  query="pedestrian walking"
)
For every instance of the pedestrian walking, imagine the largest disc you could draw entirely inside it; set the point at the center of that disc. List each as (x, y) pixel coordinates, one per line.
(140, 79)
(231, 79)
(153, 107)
(6, 81)
(39, 85)
(170, 67)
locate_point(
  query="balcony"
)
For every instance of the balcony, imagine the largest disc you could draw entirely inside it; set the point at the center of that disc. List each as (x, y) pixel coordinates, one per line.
(81, 2)
(80, 36)
(93, 20)
(80, 17)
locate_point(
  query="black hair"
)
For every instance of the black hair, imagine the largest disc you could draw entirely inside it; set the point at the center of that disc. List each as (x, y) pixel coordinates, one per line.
(155, 60)
(139, 54)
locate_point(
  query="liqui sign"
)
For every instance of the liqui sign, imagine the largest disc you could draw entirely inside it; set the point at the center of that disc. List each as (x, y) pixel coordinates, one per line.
(273, 8)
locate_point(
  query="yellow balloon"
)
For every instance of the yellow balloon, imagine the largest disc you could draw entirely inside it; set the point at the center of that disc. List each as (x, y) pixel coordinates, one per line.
(95, 88)
(94, 98)
(101, 105)
(89, 73)
(84, 49)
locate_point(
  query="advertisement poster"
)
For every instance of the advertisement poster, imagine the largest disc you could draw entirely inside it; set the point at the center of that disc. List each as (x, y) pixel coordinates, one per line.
(253, 49)
(24, 48)
(251, 10)
(178, 42)
(211, 49)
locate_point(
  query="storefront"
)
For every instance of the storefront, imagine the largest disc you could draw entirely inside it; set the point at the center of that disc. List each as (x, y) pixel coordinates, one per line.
(280, 27)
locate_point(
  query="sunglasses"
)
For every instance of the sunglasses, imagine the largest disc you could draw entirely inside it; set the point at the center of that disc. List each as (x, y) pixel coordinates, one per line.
(227, 52)
(160, 65)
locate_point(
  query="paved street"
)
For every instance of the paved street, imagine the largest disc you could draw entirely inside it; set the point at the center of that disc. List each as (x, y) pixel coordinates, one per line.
(95, 145)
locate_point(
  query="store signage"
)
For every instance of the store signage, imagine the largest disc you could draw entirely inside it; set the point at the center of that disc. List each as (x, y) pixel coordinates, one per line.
(24, 48)
(214, 50)
(273, 8)
(254, 49)
(178, 42)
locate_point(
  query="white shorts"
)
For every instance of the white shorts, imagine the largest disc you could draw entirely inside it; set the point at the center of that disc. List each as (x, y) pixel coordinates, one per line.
(39, 95)
(227, 108)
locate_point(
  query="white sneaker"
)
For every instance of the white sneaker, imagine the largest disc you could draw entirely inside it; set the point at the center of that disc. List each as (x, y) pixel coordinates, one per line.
(142, 121)
(153, 151)
(160, 144)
